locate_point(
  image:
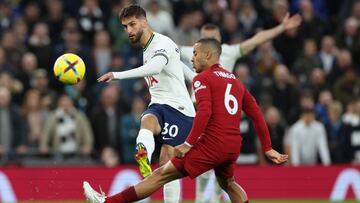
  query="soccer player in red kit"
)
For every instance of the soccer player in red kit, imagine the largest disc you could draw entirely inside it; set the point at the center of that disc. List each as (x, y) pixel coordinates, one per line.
(214, 141)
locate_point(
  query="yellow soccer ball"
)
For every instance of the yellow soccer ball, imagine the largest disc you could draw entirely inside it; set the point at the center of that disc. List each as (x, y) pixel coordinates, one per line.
(69, 69)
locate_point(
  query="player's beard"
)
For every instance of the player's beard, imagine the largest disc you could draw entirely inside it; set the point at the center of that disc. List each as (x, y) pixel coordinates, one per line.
(136, 39)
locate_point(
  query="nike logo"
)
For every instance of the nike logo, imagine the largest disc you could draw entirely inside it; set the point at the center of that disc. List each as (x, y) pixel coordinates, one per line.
(167, 138)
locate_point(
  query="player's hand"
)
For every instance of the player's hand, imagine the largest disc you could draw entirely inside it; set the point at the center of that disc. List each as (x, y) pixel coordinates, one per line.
(181, 150)
(107, 77)
(276, 157)
(291, 22)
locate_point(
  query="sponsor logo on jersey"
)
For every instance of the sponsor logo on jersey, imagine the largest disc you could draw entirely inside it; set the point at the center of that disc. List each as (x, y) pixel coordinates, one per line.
(167, 138)
(151, 81)
(198, 86)
(160, 51)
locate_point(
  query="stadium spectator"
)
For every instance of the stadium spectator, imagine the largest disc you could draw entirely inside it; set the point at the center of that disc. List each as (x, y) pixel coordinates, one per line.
(283, 92)
(6, 16)
(242, 72)
(102, 52)
(35, 116)
(21, 33)
(322, 106)
(12, 132)
(248, 153)
(159, 19)
(349, 37)
(352, 133)
(327, 53)
(67, 131)
(336, 133)
(277, 130)
(91, 19)
(186, 32)
(306, 62)
(4, 64)
(55, 19)
(347, 87)
(267, 60)
(40, 81)
(31, 13)
(13, 85)
(249, 21)
(313, 26)
(12, 51)
(129, 128)
(230, 32)
(83, 97)
(317, 82)
(105, 119)
(29, 64)
(41, 45)
(307, 139)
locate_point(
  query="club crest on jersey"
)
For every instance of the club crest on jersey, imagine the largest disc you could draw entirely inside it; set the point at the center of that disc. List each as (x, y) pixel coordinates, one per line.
(198, 86)
(151, 81)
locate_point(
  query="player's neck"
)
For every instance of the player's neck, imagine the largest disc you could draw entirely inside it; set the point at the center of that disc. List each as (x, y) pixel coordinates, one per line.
(146, 38)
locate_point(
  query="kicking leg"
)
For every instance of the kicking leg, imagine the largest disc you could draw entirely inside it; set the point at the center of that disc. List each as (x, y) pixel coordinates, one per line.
(145, 144)
(172, 189)
(236, 193)
(145, 188)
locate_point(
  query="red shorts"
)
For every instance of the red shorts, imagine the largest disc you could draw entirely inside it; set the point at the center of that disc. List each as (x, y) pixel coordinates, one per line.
(199, 160)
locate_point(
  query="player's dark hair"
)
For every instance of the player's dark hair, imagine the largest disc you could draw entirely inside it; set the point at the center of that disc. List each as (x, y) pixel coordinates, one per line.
(209, 26)
(212, 43)
(132, 11)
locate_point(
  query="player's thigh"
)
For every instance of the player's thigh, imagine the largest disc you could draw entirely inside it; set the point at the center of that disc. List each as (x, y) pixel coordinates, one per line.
(166, 153)
(150, 121)
(225, 170)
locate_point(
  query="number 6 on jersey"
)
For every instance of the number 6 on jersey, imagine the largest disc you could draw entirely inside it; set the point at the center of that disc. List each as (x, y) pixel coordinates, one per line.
(230, 98)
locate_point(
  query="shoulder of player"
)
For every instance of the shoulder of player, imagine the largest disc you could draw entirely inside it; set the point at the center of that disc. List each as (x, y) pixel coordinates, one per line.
(163, 39)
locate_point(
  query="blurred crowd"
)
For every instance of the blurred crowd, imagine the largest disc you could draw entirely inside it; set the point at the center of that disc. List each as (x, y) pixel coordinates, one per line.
(306, 81)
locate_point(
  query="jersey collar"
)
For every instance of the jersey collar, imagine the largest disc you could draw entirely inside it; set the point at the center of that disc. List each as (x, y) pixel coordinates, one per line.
(149, 41)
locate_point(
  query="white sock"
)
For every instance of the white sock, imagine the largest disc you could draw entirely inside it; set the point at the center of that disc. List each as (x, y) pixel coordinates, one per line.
(201, 183)
(172, 192)
(146, 137)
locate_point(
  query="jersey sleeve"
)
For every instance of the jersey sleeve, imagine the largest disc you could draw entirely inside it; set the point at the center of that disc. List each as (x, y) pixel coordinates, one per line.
(186, 53)
(164, 49)
(203, 101)
(252, 110)
(235, 51)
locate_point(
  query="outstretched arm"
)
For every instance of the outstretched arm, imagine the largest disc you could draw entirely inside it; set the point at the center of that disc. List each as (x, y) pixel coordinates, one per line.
(153, 67)
(265, 35)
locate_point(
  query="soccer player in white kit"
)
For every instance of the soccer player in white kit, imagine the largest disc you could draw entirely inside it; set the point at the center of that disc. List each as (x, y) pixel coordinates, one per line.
(170, 113)
(228, 57)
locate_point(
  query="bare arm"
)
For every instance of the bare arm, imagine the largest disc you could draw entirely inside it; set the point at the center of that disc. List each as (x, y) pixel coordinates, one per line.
(265, 35)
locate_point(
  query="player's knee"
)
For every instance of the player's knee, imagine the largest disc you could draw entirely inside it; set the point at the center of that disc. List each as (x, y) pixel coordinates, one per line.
(161, 175)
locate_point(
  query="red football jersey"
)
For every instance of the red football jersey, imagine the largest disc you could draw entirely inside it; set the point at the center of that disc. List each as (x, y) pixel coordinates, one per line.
(220, 98)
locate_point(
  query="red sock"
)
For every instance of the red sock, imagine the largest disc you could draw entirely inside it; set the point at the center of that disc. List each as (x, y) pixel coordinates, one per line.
(128, 195)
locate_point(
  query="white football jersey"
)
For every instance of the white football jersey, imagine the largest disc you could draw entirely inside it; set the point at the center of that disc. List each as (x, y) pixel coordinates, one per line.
(167, 87)
(228, 57)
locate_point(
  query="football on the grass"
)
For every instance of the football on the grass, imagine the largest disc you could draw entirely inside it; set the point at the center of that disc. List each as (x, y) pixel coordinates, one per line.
(69, 69)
